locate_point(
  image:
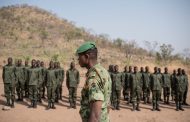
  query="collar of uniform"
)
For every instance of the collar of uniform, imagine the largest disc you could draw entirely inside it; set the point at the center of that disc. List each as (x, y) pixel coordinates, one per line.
(92, 68)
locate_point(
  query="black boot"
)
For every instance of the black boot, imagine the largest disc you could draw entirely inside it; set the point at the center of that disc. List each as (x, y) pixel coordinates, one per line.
(49, 105)
(180, 107)
(12, 104)
(177, 106)
(21, 97)
(35, 104)
(138, 109)
(168, 100)
(31, 105)
(148, 100)
(157, 106)
(153, 107)
(8, 102)
(53, 106)
(134, 107)
(18, 97)
(145, 100)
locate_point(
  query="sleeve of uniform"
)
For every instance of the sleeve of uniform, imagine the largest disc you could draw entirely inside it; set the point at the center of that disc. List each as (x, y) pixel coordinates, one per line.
(67, 78)
(3, 74)
(95, 94)
(78, 77)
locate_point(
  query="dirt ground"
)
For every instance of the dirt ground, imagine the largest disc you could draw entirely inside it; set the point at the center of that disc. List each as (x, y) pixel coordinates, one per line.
(21, 112)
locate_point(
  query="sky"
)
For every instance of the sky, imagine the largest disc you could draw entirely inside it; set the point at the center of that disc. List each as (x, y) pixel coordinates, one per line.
(164, 21)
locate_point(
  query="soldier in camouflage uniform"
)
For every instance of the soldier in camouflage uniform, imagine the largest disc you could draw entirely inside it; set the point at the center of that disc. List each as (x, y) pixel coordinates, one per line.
(26, 67)
(180, 87)
(43, 79)
(146, 85)
(173, 84)
(156, 87)
(40, 80)
(166, 78)
(186, 90)
(9, 81)
(51, 84)
(97, 88)
(129, 96)
(117, 84)
(125, 83)
(160, 75)
(61, 78)
(33, 77)
(58, 82)
(20, 79)
(72, 81)
(141, 73)
(110, 71)
(136, 88)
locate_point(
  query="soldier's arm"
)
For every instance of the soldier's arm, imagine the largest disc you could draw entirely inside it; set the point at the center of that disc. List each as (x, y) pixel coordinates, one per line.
(78, 77)
(67, 79)
(95, 111)
(3, 74)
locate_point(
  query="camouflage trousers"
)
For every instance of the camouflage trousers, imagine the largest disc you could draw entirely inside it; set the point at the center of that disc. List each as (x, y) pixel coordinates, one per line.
(9, 91)
(166, 92)
(146, 93)
(51, 93)
(156, 96)
(179, 96)
(72, 95)
(136, 96)
(33, 92)
(20, 88)
(116, 95)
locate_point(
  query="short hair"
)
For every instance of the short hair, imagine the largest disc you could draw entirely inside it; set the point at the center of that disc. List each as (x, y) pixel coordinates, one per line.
(93, 53)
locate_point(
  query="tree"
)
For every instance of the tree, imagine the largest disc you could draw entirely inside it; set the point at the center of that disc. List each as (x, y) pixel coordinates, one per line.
(151, 47)
(166, 52)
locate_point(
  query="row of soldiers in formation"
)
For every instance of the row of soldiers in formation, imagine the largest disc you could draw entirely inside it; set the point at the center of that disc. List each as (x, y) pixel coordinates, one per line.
(137, 85)
(31, 82)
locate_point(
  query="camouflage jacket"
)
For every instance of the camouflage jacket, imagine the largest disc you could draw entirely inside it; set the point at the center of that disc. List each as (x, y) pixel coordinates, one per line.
(146, 80)
(117, 81)
(97, 87)
(136, 82)
(155, 82)
(8, 74)
(72, 78)
(19, 73)
(33, 76)
(180, 83)
(166, 78)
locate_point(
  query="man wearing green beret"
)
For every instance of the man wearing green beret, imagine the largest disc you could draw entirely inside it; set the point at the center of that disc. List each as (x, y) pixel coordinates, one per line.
(97, 87)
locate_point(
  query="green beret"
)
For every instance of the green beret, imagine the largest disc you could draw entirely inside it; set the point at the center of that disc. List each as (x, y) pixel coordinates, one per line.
(86, 46)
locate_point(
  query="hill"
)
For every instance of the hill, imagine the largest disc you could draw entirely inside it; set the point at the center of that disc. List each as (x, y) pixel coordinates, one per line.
(30, 32)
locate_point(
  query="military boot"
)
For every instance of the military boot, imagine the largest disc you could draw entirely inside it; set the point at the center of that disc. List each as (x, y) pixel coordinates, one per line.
(138, 109)
(165, 100)
(117, 107)
(35, 104)
(31, 105)
(153, 107)
(53, 106)
(177, 106)
(18, 97)
(49, 105)
(168, 100)
(180, 107)
(21, 96)
(134, 107)
(8, 102)
(148, 99)
(145, 100)
(157, 106)
(12, 104)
